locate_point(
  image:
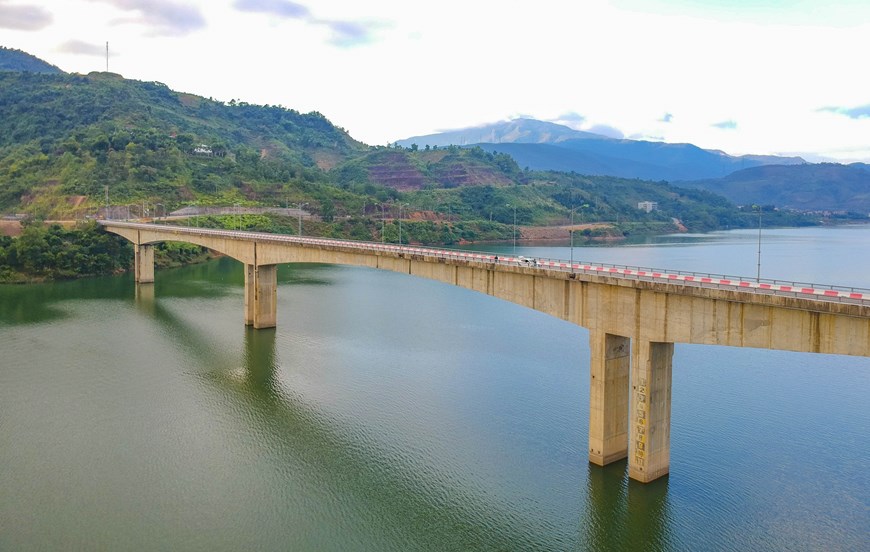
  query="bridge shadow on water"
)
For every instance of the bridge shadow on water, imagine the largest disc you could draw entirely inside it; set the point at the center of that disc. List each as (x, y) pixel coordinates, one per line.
(415, 510)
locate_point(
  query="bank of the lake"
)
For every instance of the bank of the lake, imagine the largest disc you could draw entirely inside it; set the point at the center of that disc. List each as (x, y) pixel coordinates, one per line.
(391, 413)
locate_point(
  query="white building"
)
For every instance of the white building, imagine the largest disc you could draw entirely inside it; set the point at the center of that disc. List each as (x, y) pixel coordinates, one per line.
(648, 206)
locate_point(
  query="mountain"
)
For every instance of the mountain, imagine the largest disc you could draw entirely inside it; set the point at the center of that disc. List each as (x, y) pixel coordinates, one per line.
(517, 131)
(810, 187)
(72, 135)
(547, 146)
(16, 60)
(70, 143)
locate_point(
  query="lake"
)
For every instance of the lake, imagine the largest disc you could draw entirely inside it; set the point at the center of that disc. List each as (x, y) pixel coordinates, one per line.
(389, 413)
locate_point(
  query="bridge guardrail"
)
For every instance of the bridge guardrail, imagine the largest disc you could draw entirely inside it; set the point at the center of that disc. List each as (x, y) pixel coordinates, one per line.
(825, 292)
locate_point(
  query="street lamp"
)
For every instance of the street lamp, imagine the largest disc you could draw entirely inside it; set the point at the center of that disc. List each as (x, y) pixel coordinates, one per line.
(400, 221)
(758, 273)
(515, 226)
(571, 231)
(301, 205)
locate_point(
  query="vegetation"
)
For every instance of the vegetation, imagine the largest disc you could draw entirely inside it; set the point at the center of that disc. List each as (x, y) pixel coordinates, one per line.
(16, 60)
(53, 252)
(69, 141)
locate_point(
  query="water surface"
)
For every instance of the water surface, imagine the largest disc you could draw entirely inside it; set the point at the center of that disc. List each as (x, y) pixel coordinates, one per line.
(392, 413)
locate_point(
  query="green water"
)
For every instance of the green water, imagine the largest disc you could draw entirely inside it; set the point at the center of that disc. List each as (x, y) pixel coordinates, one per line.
(389, 413)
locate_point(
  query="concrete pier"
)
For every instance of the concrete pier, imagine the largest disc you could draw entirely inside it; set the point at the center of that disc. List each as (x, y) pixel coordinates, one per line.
(261, 296)
(143, 261)
(608, 397)
(649, 448)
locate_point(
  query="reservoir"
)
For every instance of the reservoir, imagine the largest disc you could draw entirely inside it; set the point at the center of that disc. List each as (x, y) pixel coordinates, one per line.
(390, 413)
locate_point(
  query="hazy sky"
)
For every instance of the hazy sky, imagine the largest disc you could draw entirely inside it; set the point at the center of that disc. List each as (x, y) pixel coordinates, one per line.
(768, 76)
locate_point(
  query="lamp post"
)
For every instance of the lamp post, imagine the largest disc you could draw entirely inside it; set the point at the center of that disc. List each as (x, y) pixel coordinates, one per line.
(301, 205)
(758, 273)
(571, 231)
(400, 221)
(383, 223)
(515, 226)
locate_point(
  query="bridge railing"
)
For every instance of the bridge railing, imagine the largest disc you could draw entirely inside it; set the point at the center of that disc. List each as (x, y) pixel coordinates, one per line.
(825, 292)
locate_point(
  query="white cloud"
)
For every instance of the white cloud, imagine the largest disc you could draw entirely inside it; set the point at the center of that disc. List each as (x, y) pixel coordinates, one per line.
(452, 64)
(27, 17)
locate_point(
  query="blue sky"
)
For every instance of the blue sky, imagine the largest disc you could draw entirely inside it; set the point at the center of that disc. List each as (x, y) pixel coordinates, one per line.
(766, 77)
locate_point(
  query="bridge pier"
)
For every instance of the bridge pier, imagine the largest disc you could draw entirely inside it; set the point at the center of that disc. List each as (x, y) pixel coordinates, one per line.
(649, 454)
(261, 295)
(143, 263)
(633, 422)
(608, 397)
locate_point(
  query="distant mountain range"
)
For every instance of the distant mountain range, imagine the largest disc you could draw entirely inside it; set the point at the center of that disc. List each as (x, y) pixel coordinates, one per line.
(548, 146)
(812, 187)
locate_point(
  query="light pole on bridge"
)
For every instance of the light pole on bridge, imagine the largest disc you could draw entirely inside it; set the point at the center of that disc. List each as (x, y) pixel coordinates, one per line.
(515, 226)
(758, 273)
(301, 205)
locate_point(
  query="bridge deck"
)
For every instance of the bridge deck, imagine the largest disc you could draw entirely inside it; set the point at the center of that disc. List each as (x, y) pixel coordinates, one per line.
(820, 292)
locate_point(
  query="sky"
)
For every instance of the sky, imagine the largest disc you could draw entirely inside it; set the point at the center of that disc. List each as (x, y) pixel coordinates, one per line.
(746, 77)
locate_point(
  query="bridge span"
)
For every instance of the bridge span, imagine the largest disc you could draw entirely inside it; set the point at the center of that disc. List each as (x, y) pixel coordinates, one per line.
(634, 316)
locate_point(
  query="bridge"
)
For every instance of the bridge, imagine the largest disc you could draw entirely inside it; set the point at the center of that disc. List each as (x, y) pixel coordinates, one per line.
(634, 315)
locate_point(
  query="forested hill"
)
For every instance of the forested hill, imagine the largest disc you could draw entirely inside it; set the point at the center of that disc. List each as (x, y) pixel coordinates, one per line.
(16, 60)
(143, 139)
(66, 138)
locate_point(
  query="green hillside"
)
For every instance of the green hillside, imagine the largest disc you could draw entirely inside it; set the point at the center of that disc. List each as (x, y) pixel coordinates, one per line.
(65, 139)
(16, 60)
(71, 135)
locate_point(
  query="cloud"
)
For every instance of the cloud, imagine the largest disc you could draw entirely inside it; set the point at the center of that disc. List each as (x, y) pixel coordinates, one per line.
(572, 116)
(667, 118)
(24, 18)
(647, 137)
(349, 33)
(165, 17)
(281, 8)
(606, 130)
(860, 112)
(726, 125)
(79, 47)
(344, 33)
(571, 119)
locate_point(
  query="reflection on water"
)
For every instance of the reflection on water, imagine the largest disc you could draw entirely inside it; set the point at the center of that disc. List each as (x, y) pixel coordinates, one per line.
(391, 413)
(622, 514)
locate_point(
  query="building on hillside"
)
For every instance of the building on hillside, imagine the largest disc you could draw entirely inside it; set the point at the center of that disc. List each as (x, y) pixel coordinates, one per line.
(648, 206)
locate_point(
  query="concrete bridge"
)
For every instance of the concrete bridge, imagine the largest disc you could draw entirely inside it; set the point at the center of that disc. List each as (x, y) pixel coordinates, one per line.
(634, 316)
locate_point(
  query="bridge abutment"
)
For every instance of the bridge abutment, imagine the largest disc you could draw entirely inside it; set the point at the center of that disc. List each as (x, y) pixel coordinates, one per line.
(143, 263)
